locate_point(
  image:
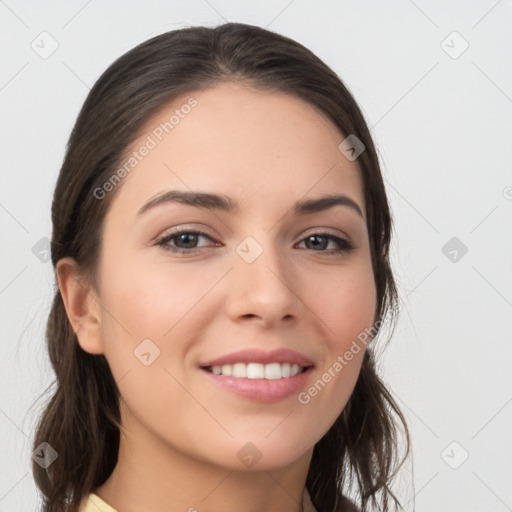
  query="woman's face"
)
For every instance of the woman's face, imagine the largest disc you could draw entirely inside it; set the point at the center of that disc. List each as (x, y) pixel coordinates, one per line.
(261, 284)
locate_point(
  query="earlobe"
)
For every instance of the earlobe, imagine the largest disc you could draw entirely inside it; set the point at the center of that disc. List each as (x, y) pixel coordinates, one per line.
(82, 305)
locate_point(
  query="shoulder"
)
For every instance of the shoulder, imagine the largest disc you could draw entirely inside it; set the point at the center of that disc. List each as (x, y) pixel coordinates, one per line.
(93, 503)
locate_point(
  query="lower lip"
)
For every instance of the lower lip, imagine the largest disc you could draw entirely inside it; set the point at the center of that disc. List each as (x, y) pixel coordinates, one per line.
(262, 390)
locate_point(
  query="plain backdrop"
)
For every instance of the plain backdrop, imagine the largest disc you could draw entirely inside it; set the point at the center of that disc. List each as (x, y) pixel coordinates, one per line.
(434, 80)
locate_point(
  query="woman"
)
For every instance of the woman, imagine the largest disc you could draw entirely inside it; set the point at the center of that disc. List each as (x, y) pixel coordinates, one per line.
(220, 241)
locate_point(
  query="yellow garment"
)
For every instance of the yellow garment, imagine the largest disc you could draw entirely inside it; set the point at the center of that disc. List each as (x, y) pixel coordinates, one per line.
(94, 503)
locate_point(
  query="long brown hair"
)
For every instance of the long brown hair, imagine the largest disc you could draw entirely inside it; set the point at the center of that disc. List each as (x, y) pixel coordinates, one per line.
(81, 420)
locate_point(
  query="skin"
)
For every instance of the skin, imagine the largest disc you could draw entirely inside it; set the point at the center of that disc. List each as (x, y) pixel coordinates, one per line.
(180, 434)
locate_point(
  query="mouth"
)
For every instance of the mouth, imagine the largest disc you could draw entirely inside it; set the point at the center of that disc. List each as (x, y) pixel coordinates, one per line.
(260, 376)
(270, 371)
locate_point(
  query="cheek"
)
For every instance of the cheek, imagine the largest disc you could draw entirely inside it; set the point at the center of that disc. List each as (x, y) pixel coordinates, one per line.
(149, 300)
(146, 330)
(346, 305)
(154, 311)
(347, 309)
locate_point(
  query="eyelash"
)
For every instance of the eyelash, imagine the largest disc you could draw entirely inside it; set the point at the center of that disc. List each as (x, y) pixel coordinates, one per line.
(345, 246)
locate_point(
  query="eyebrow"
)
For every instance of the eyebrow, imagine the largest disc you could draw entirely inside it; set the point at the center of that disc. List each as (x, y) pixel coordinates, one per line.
(227, 204)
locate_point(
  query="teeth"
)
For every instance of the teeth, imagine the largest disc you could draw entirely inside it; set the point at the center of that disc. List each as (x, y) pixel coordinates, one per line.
(239, 370)
(272, 371)
(257, 370)
(226, 369)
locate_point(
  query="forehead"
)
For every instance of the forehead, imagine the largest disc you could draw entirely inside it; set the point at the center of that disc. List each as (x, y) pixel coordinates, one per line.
(257, 145)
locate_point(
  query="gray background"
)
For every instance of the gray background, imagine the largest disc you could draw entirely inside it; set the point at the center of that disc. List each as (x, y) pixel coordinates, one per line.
(441, 118)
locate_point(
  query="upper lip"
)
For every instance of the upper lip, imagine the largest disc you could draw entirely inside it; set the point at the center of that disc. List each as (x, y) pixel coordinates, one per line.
(280, 355)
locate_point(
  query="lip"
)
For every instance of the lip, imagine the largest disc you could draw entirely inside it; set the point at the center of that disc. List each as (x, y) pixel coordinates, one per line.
(280, 355)
(262, 390)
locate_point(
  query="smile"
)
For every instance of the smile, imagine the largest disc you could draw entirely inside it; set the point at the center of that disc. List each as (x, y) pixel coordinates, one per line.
(269, 371)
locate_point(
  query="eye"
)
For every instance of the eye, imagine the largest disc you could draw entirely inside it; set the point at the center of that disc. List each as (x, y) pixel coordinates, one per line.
(185, 240)
(321, 240)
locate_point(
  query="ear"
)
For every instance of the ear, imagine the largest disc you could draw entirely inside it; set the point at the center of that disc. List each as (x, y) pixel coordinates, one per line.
(82, 305)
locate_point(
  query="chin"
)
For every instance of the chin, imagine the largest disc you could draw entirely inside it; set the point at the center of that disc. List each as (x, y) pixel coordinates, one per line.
(261, 454)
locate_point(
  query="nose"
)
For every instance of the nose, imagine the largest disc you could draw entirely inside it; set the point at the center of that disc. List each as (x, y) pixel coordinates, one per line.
(263, 290)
